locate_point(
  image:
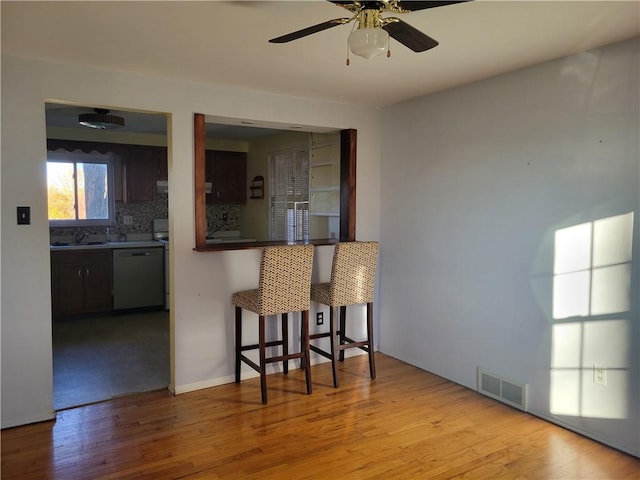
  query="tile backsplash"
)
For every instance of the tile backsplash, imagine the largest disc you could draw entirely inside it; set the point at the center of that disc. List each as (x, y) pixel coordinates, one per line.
(144, 213)
(216, 218)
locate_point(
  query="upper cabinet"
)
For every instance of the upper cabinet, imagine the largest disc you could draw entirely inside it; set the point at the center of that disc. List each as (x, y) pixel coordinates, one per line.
(163, 165)
(227, 174)
(141, 172)
(137, 168)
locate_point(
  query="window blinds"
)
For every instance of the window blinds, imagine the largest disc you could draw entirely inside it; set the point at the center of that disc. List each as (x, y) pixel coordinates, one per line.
(289, 195)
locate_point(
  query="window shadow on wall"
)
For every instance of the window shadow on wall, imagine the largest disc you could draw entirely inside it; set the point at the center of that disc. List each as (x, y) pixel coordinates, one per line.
(591, 319)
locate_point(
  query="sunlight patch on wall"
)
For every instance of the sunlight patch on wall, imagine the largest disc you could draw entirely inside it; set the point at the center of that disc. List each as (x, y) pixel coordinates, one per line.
(572, 249)
(571, 294)
(610, 288)
(592, 268)
(576, 348)
(591, 295)
(613, 240)
(606, 343)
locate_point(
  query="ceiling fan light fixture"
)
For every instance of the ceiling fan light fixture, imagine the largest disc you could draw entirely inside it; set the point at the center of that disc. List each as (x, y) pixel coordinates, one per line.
(368, 42)
(101, 120)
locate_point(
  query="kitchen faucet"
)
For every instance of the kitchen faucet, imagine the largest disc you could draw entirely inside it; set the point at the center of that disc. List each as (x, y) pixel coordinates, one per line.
(210, 233)
(81, 236)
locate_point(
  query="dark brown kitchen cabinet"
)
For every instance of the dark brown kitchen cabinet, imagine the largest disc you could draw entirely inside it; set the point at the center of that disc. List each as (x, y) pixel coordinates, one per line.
(141, 174)
(227, 173)
(80, 282)
(163, 167)
(136, 168)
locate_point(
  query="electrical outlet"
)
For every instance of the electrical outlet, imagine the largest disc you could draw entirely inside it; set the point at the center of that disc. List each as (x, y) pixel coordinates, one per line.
(127, 219)
(319, 318)
(599, 375)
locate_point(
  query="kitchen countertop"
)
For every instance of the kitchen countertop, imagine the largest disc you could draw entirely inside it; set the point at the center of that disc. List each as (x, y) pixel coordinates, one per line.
(227, 236)
(214, 241)
(98, 245)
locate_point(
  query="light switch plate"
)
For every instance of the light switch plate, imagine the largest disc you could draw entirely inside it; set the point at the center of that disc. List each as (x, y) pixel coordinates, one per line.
(24, 215)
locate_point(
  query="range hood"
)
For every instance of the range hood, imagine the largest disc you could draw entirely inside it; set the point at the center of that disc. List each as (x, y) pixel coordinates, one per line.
(162, 186)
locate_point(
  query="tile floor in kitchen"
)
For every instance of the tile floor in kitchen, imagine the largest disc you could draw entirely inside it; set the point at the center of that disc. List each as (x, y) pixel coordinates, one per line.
(96, 359)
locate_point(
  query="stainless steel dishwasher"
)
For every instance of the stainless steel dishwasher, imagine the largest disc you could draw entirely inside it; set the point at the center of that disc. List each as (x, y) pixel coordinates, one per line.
(138, 277)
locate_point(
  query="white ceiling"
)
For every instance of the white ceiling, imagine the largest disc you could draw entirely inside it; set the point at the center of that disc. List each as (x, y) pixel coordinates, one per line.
(226, 42)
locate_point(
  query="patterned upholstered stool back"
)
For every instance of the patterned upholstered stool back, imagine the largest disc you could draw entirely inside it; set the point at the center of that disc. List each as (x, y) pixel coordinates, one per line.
(353, 273)
(285, 279)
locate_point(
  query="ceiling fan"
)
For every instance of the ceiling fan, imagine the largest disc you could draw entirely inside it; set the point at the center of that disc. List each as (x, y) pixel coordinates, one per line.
(371, 37)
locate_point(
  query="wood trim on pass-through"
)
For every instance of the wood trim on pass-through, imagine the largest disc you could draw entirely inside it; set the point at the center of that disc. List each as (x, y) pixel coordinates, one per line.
(348, 141)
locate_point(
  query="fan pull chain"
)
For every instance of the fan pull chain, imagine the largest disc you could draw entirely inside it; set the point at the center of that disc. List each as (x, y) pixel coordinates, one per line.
(348, 62)
(388, 46)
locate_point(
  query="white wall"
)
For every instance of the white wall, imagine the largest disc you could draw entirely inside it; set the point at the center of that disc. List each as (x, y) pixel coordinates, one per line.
(476, 181)
(202, 283)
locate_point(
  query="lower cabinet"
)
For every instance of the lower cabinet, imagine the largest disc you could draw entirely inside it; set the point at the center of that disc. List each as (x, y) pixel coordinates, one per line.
(81, 282)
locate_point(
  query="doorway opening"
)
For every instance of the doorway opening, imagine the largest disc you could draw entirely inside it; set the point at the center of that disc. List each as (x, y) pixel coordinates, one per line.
(99, 350)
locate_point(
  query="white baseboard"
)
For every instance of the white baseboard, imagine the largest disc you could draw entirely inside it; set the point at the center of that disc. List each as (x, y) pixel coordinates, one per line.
(248, 372)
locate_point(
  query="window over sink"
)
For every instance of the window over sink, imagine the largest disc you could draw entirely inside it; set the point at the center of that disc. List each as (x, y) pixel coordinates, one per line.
(80, 188)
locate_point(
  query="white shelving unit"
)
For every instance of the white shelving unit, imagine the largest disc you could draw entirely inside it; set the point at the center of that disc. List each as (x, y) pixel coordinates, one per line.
(324, 184)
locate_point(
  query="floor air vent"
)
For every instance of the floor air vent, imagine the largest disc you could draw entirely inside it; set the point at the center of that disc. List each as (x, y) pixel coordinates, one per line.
(506, 391)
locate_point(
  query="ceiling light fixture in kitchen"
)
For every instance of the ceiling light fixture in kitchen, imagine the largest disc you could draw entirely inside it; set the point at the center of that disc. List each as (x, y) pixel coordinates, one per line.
(101, 120)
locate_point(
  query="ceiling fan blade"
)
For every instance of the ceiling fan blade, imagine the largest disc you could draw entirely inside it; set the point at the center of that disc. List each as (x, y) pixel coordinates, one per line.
(310, 30)
(410, 37)
(412, 6)
(348, 4)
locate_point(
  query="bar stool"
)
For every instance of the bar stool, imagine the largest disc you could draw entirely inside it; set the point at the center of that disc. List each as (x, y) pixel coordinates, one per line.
(353, 274)
(284, 286)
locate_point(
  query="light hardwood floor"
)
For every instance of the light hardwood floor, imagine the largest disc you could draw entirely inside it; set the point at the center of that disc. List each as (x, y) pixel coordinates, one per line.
(407, 424)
